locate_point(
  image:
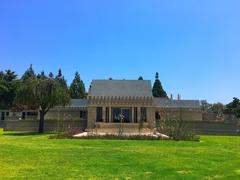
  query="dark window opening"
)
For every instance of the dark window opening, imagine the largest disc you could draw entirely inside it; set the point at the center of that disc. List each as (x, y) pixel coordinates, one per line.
(157, 115)
(7, 113)
(99, 114)
(32, 113)
(83, 114)
(144, 114)
(3, 116)
(23, 115)
(107, 114)
(121, 115)
(135, 115)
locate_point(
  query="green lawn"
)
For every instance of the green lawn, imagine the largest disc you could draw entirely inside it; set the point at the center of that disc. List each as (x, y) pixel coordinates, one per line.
(37, 157)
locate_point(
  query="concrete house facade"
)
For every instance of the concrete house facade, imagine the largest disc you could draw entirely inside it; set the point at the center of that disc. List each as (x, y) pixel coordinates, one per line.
(109, 104)
(127, 102)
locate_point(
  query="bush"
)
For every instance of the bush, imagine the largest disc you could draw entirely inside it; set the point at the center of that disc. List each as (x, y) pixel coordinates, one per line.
(176, 129)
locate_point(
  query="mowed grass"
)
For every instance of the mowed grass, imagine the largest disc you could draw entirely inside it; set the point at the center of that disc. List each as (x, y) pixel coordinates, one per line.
(37, 157)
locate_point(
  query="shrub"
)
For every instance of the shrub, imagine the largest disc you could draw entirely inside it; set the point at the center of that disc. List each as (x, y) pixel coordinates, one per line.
(177, 129)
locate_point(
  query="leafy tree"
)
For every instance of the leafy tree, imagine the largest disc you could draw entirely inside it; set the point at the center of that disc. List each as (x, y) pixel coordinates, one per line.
(8, 86)
(217, 108)
(29, 73)
(42, 93)
(234, 107)
(77, 87)
(60, 78)
(158, 90)
(140, 78)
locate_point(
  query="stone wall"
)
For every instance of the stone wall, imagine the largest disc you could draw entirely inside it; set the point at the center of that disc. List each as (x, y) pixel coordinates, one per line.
(200, 127)
(50, 125)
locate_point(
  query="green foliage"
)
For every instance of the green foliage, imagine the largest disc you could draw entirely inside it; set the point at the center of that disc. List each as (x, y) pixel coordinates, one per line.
(140, 78)
(60, 79)
(77, 87)
(8, 86)
(51, 75)
(29, 74)
(234, 107)
(176, 128)
(1, 131)
(158, 90)
(43, 93)
(217, 108)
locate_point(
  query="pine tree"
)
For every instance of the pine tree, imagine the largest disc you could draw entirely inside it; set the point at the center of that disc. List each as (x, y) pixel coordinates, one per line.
(158, 90)
(60, 78)
(77, 87)
(51, 76)
(8, 87)
(41, 75)
(29, 73)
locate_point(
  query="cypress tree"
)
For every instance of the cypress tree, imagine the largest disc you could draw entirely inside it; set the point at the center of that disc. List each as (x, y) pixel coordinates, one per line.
(60, 79)
(158, 90)
(29, 73)
(51, 76)
(77, 87)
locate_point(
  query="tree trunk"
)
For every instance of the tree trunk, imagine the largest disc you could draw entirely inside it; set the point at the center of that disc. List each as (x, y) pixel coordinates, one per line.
(41, 122)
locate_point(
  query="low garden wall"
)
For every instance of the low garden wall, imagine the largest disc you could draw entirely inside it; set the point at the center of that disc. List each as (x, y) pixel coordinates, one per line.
(200, 127)
(50, 125)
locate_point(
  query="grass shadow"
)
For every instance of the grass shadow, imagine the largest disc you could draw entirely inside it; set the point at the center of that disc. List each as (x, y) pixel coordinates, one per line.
(23, 133)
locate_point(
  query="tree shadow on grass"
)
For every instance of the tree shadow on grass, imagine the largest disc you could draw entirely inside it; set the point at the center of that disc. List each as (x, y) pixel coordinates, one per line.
(23, 133)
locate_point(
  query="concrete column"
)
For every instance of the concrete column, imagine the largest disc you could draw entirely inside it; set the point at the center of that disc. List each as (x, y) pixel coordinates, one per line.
(110, 114)
(91, 117)
(151, 117)
(132, 114)
(138, 114)
(104, 113)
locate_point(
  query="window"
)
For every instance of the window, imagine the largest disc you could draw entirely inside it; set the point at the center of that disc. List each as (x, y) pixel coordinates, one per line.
(135, 115)
(23, 115)
(157, 115)
(83, 114)
(7, 113)
(144, 114)
(99, 115)
(2, 116)
(32, 113)
(107, 114)
(121, 112)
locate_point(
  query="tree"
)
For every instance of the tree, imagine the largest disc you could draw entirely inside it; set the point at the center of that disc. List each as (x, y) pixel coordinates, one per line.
(42, 93)
(140, 78)
(234, 107)
(60, 78)
(29, 73)
(51, 75)
(8, 86)
(158, 90)
(217, 108)
(77, 87)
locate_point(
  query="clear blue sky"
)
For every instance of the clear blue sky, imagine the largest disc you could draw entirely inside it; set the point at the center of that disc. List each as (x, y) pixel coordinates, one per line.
(194, 45)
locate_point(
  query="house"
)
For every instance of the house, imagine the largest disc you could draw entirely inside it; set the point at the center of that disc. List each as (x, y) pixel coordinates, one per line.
(114, 103)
